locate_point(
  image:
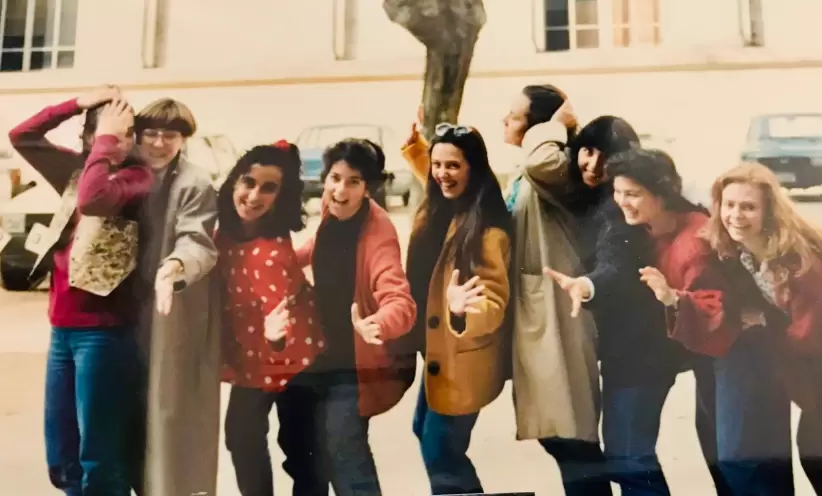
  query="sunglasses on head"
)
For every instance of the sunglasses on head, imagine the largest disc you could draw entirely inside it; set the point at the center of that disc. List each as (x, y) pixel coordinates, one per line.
(265, 188)
(444, 127)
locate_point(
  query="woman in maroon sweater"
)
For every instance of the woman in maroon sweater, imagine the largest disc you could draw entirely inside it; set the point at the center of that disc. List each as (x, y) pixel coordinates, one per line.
(260, 204)
(755, 228)
(90, 388)
(734, 378)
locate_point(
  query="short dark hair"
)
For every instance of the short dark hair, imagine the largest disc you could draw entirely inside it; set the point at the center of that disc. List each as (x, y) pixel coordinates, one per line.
(287, 213)
(362, 155)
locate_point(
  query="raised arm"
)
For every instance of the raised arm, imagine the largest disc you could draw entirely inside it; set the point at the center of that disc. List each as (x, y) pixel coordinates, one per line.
(415, 152)
(56, 164)
(545, 161)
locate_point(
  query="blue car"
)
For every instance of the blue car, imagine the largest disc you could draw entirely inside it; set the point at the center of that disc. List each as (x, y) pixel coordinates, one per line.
(312, 141)
(790, 144)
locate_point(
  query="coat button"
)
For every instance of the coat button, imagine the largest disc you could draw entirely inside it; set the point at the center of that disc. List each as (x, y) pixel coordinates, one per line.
(434, 322)
(433, 368)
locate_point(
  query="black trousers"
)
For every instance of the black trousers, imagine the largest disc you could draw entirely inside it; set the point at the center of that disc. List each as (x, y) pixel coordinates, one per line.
(246, 435)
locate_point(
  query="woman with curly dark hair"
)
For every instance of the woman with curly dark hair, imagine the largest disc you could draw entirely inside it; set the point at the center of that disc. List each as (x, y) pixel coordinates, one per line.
(259, 207)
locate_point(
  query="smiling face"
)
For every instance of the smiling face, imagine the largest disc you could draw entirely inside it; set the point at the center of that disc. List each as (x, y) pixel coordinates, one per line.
(639, 206)
(158, 147)
(592, 173)
(742, 212)
(449, 169)
(344, 190)
(256, 192)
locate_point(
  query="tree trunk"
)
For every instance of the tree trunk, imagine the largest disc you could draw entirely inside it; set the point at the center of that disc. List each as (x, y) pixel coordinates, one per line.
(449, 29)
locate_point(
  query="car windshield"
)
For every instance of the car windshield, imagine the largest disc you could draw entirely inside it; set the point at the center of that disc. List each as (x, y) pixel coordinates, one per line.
(321, 137)
(793, 126)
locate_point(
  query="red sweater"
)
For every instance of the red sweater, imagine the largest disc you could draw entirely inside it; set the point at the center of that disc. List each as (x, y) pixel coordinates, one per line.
(100, 193)
(702, 321)
(258, 275)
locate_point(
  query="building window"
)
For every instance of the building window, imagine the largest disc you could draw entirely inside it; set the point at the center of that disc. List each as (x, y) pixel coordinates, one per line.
(37, 34)
(577, 24)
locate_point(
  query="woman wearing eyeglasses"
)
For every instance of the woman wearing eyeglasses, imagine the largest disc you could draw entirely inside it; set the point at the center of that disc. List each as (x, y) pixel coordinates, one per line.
(260, 206)
(458, 269)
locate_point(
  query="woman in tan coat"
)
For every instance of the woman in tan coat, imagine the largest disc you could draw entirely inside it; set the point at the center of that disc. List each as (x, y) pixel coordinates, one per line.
(458, 270)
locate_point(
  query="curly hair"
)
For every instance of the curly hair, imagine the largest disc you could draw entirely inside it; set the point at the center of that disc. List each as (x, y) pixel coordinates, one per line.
(287, 213)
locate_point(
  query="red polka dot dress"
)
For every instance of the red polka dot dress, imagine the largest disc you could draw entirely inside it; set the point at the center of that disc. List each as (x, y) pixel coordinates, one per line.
(258, 275)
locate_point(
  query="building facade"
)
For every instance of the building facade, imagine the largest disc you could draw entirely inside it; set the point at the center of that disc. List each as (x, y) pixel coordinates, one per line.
(263, 69)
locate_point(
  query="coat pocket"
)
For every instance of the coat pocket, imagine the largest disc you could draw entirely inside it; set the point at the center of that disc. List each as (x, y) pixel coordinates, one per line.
(529, 307)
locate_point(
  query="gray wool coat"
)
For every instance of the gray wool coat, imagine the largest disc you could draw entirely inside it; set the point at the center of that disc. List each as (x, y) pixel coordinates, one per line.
(182, 349)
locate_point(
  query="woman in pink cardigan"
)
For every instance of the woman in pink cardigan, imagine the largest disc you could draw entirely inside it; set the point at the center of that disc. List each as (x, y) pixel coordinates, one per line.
(365, 307)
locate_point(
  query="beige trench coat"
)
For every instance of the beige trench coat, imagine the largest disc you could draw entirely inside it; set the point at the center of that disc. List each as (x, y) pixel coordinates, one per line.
(183, 407)
(555, 370)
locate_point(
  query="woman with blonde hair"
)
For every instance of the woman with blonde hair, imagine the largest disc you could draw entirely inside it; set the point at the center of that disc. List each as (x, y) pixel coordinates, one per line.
(755, 228)
(180, 323)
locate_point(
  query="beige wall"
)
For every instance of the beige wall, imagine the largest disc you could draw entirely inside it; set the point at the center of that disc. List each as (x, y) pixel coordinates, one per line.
(260, 69)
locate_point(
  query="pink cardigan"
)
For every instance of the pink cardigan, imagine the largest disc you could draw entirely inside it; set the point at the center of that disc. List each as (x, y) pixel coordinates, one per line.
(382, 290)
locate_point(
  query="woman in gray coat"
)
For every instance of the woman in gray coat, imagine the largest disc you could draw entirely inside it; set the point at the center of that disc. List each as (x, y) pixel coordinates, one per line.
(180, 327)
(555, 371)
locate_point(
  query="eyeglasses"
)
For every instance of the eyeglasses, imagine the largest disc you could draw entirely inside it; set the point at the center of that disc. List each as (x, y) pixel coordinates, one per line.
(444, 127)
(163, 134)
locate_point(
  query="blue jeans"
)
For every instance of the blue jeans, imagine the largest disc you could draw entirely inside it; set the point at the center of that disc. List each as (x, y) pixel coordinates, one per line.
(753, 419)
(347, 457)
(91, 394)
(630, 426)
(444, 441)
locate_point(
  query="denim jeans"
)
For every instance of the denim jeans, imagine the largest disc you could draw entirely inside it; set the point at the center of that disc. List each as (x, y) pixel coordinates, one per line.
(630, 428)
(753, 419)
(91, 395)
(630, 425)
(581, 464)
(347, 460)
(444, 441)
(246, 437)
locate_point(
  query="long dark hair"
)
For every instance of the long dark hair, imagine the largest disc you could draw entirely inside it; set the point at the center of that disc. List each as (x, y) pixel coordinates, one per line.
(481, 204)
(608, 134)
(545, 100)
(287, 213)
(656, 171)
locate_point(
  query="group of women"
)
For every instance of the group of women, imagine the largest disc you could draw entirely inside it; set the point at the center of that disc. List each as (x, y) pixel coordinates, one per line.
(592, 264)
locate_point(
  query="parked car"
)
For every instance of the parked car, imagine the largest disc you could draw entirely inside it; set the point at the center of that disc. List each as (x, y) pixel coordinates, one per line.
(790, 144)
(34, 201)
(312, 141)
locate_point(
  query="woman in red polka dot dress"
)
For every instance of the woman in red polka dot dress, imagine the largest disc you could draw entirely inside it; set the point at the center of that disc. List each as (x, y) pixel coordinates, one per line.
(259, 206)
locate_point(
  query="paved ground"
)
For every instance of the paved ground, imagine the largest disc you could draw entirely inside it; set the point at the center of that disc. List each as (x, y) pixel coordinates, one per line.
(503, 463)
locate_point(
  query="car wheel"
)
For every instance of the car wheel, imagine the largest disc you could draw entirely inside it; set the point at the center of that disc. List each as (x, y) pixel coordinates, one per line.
(16, 278)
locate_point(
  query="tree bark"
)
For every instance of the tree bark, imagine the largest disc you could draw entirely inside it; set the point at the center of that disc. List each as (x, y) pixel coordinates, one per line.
(449, 29)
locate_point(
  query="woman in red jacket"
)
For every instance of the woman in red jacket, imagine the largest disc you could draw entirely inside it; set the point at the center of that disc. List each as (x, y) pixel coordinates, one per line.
(703, 311)
(92, 361)
(260, 205)
(756, 228)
